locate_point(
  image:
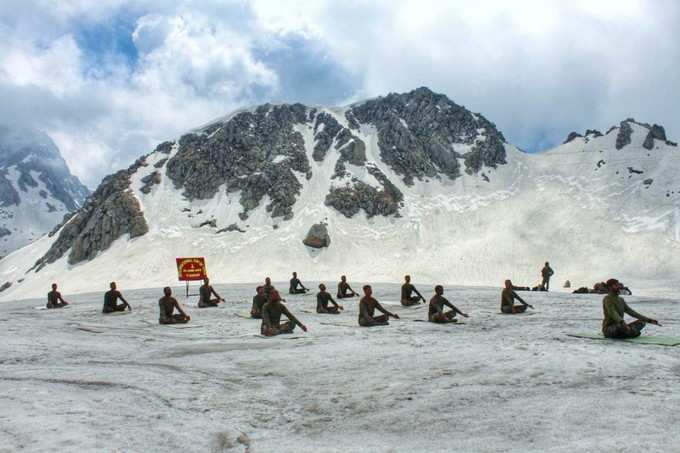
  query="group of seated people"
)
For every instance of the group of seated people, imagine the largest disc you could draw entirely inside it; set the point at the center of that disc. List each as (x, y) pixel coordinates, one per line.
(268, 306)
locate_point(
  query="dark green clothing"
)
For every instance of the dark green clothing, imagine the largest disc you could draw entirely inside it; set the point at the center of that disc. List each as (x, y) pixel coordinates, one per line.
(407, 290)
(322, 301)
(296, 286)
(343, 289)
(111, 301)
(166, 305)
(268, 289)
(508, 297)
(258, 302)
(271, 315)
(437, 304)
(367, 308)
(614, 308)
(53, 298)
(547, 272)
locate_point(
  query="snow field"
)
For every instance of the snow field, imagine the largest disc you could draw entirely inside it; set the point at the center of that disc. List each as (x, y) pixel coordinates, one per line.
(497, 383)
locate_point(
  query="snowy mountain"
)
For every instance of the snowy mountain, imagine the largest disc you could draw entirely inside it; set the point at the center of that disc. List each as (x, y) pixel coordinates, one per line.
(406, 183)
(36, 187)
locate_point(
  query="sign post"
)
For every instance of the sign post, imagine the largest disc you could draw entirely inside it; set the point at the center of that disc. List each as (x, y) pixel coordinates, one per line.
(191, 269)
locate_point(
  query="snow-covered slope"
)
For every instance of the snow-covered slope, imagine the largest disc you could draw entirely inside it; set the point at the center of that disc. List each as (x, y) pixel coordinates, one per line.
(408, 183)
(36, 187)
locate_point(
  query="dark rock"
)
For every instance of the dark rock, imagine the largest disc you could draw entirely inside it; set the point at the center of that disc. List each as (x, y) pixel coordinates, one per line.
(50, 207)
(632, 170)
(5, 286)
(325, 130)
(417, 131)
(4, 232)
(42, 194)
(149, 181)
(571, 137)
(648, 182)
(241, 155)
(109, 213)
(212, 223)
(649, 141)
(160, 163)
(232, 227)
(624, 135)
(594, 133)
(165, 147)
(317, 237)
(8, 194)
(658, 132)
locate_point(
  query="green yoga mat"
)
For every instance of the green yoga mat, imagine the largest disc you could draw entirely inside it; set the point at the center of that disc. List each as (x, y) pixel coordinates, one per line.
(642, 339)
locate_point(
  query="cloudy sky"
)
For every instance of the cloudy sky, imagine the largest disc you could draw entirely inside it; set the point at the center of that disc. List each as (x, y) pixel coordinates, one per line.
(108, 79)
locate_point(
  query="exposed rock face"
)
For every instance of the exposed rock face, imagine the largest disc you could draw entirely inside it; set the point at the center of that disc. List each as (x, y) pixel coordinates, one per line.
(571, 137)
(111, 212)
(422, 134)
(232, 227)
(357, 195)
(33, 153)
(254, 152)
(317, 237)
(4, 232)
(623, 137)
(149, 181)
(649, 141)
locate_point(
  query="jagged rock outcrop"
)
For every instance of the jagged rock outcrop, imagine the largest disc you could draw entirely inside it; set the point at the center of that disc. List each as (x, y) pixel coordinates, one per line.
(571, 137)
(356, 195)
(623, 138)
(232, 227)
(254, 152)
(109, 213)
(422, 134)
(149, 181)
(317, 237)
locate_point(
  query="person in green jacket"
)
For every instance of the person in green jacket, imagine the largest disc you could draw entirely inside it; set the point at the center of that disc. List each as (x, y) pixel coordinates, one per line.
(258, 302)
(614, 307)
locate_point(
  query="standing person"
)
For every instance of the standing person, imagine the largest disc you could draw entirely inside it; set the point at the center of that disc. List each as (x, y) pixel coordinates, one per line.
(258, 302)
(111, 300)
(167, 305)
(344, 290)
(546, 273)
(296, 286)
(323, 298)
(436, 312)
(205, 292)
(614, 307)
(367, 307)
(508, 297)
(54, 299)
(407, 290)
(268, 288)
(271, 317)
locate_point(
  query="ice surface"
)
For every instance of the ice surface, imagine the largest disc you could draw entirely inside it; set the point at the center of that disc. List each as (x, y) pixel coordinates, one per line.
(497, 384)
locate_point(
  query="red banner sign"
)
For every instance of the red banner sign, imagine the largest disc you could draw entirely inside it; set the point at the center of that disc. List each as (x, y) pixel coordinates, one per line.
(189, 269)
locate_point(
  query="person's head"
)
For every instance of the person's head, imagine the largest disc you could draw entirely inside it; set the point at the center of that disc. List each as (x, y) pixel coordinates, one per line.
(343, 278)
(322, 287)
(368, 290)
(112, 285)
(275, 297)
(508, 284)
(206, 281)
(439, 290)
(268, 281)
(259, 290)
(167, 291)
(407, 278)
(547, 263)
(294, 274)
(613, 286)
(54, 286)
